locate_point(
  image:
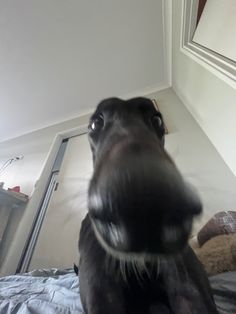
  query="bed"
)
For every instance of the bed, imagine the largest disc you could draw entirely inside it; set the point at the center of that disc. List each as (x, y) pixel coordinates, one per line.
(41, 291)
(57, 291)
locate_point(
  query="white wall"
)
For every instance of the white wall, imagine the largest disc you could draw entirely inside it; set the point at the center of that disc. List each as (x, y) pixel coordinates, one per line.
(59, 58)
(209, 98)
(34, 147)
(196, 158)
(23, 172)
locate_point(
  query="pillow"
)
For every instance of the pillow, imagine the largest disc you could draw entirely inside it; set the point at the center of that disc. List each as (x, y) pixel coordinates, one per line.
(221, 223)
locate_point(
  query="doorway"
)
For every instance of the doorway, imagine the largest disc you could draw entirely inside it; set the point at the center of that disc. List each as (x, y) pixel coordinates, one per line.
(56, 242)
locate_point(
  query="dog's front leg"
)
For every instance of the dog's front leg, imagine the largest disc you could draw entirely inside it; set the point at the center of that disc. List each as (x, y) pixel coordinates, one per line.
(103, 299)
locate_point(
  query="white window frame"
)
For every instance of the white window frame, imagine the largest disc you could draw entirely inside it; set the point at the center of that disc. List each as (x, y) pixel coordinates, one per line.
(205, 56)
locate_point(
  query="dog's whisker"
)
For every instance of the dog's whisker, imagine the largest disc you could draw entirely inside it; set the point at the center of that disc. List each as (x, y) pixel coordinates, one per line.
(137, 272)
(147, 269)
(123, 270)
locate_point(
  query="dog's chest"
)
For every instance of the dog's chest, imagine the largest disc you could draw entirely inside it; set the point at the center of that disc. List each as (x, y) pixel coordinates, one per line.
(142, 286)
(159, 292)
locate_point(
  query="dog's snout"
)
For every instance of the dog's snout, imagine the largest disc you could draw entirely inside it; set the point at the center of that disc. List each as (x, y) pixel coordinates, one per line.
(141, 202)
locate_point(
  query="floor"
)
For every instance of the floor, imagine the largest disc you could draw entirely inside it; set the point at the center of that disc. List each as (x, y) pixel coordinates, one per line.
(197, 158)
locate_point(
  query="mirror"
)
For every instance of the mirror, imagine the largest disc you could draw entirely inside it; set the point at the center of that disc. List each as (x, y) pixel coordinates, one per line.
(216, 27)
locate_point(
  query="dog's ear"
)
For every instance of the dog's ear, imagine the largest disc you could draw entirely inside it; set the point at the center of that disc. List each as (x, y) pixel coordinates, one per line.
(164, 128)
(159, 126)
(158, 123)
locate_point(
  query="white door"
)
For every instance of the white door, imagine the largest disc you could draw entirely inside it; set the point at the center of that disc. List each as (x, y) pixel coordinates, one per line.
(57, 244)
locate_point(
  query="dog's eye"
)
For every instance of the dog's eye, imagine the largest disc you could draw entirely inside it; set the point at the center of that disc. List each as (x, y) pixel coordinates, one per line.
(97, 123)
(156, 120)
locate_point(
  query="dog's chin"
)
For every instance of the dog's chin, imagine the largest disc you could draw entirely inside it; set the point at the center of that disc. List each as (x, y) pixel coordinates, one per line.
(172, 242)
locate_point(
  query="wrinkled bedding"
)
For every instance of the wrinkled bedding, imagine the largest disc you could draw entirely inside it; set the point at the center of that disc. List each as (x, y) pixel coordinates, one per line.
(57, 291)
(224, 290)
(40, 292)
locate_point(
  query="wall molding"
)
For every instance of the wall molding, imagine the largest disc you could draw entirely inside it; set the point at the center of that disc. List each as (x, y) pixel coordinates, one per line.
(140, 92)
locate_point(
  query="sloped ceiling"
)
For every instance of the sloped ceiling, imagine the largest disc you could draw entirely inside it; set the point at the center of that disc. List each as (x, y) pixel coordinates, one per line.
(59, 58)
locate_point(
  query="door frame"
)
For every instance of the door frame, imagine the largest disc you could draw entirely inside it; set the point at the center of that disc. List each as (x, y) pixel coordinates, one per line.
(24, 229)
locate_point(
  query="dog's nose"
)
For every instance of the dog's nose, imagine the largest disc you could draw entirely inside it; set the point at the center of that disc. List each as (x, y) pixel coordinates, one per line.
(140, 190)
(138, 174)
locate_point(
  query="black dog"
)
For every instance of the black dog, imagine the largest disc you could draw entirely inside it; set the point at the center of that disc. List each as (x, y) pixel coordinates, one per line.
(134, 256)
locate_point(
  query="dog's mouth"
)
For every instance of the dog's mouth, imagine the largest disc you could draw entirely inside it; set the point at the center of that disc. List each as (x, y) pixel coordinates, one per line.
(139, 203)
(138, 226)
(121, 242)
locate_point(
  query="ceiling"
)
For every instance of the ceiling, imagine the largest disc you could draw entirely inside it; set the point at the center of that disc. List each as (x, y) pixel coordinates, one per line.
(59, 58)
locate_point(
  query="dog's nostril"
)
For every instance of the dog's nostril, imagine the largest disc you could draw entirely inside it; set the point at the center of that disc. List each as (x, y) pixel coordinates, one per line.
(175, 235)
(187, 224)
(171, 234)
(111, 232)
(95, 202)
(114, 234)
